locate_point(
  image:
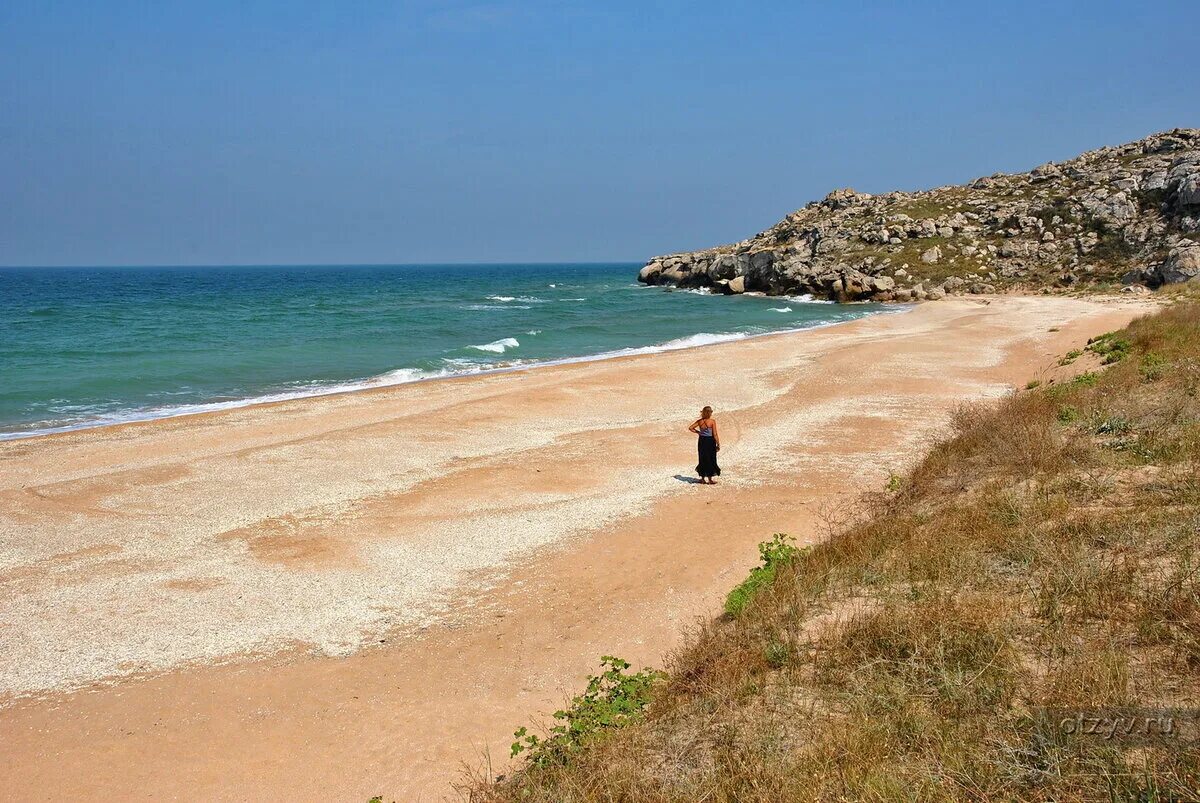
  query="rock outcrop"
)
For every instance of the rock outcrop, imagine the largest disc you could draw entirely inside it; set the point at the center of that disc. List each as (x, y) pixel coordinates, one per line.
(1121, 215)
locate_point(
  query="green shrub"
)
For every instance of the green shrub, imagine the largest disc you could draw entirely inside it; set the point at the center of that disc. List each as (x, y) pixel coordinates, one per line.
(1112, 347)
(1070, 357)
(774, 553)
(613, 698)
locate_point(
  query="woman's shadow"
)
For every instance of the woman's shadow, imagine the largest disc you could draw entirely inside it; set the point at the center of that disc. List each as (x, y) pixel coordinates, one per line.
(689, 480)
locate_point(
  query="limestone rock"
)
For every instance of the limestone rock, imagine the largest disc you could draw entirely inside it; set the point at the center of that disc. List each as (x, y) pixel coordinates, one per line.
(1189, 190)
(648, 274)
(1093, 220)
(1181, 265)
(883, 284)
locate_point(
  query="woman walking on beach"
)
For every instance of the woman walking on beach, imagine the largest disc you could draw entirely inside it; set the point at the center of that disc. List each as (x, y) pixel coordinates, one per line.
(708, 445)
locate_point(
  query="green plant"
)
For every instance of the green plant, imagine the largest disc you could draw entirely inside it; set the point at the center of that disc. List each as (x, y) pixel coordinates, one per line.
(774, 553)
(777, 654)
(1033, 383)
(1152, 367)
(1067, 414)
(1070, 357)
(1111, 346)
(613, 699)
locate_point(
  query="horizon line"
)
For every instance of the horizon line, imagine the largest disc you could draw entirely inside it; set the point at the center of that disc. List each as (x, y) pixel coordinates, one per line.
(327, 264)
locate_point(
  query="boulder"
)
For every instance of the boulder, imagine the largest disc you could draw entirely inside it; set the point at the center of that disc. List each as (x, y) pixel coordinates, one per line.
(672, 275)
(649, 274)
(1181, 265)
(736, 285)
(932, 255)
(883, 284)
(1189, 190)
(1135, 276)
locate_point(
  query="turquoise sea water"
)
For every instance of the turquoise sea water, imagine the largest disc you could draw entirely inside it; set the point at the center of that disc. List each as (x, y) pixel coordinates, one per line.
(88, 346)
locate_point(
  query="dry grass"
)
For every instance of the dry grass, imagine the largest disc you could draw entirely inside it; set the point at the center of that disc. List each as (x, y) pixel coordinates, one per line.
(1043, 556)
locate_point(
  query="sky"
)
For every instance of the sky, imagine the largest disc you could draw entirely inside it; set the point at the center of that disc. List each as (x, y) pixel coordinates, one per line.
(403, 132)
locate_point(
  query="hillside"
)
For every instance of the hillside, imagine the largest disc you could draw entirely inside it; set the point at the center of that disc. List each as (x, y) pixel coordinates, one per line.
(1123, 216)
(1038, 571)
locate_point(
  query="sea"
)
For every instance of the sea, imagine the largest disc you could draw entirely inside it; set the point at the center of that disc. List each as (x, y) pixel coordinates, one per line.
(84, 347)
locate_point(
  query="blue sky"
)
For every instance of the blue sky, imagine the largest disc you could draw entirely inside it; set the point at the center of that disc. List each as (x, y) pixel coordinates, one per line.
(303, 132)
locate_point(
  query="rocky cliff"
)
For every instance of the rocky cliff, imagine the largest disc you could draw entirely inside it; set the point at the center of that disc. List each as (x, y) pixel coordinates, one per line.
(1126, 215)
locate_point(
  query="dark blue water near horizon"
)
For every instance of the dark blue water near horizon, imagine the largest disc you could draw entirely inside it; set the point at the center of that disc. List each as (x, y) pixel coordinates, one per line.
(87, 346)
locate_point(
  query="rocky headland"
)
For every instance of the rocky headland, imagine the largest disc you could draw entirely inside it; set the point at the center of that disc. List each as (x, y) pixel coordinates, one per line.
(1124, 216)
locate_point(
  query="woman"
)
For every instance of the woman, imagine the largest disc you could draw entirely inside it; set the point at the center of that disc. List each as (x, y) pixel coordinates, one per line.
(708, 446)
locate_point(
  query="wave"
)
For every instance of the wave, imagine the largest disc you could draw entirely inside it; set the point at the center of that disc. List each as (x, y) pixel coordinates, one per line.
(400, 376)
(498, 346)
(807, 298)
(701, 339)
(479, 307)
(522, 299)
(453, 366)
(780, 309)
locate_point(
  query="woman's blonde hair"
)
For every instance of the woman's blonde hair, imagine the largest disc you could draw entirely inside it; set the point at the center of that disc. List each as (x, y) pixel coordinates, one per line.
(706, 412)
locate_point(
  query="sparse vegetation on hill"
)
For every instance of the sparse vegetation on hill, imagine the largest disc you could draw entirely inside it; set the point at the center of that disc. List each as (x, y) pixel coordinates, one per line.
(1127, 215)
(1041, 563)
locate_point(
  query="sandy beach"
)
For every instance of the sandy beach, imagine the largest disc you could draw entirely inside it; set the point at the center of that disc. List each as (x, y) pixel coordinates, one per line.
(366, 593)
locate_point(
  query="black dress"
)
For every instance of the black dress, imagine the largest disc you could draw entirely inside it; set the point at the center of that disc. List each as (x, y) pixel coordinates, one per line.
(707, 447)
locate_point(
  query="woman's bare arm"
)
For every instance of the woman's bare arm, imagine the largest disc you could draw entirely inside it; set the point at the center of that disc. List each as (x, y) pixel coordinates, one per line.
(695, 427)
(716, 433)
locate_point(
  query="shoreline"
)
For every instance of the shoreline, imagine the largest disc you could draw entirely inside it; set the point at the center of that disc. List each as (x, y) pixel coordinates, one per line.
(372, 383)
(548, 514)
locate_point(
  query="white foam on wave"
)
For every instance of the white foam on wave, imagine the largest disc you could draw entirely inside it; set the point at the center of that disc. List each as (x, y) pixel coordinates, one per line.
(780, 309)
(499, 346)
(807, 298)
(522, 299)
(479, 307)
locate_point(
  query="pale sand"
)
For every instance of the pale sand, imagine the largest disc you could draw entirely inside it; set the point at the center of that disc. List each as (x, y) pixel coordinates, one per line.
(208, 584)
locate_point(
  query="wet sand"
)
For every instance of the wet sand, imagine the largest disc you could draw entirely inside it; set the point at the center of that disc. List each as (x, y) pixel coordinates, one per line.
(361, 594)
